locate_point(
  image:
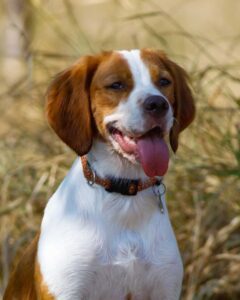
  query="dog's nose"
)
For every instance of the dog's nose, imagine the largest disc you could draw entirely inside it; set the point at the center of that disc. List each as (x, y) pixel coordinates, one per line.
(156, 105)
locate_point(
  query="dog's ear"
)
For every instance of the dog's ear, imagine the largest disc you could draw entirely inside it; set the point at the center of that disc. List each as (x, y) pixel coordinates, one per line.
(68, 105)
(184, 107)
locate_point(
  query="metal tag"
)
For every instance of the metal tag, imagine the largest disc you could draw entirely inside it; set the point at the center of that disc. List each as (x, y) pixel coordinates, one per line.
(159, 191)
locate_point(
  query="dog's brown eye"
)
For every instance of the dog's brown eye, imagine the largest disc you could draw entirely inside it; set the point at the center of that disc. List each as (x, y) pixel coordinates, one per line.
(118, 85)
(164, 82)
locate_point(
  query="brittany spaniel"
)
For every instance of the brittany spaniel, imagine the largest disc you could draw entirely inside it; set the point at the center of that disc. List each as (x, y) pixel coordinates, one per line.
(106, 232)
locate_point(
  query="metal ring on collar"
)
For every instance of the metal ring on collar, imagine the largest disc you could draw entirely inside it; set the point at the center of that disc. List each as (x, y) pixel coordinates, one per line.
(91, 182)
(161, 193)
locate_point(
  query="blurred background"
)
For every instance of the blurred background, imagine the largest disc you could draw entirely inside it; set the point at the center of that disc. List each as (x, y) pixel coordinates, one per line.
(39, 38)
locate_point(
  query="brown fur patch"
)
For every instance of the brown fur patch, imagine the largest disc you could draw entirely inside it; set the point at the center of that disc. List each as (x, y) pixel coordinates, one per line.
(21, 285)
(68, 105)
(155, 63)
(105, 100)
(41, 287)
(26, 281)
(78, 99)
(179, 93)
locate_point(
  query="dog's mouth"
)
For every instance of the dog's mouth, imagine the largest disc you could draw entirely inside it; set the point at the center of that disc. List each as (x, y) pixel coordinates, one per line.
(150, 148)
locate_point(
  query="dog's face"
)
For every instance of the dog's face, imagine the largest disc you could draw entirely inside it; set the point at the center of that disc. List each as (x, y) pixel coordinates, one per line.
(133, 100)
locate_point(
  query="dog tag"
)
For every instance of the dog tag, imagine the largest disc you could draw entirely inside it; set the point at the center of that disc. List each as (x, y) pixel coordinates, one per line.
(159, 191)
(160, 204)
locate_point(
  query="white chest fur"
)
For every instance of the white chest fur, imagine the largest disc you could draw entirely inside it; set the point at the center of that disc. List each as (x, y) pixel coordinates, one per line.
(96, 245)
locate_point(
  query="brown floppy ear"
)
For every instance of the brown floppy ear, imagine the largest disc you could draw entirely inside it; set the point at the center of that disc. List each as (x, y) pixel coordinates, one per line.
(68, 105)
(184, 107)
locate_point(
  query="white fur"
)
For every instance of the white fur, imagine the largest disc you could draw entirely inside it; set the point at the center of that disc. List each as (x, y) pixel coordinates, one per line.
(98, 245)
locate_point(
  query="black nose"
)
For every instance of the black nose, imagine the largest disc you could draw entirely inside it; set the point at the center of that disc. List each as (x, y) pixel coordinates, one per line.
(156, 105)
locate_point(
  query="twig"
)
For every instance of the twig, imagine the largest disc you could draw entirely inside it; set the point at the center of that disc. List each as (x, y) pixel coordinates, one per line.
(12, 206)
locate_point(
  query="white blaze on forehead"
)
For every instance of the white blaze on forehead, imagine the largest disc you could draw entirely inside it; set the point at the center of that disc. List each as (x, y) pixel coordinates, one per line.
(139, 70)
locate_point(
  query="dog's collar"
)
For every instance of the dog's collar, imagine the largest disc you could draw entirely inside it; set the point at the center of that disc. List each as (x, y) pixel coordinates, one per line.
(124, 186)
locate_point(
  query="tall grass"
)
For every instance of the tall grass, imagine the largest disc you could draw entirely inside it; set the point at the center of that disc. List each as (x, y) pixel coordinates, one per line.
(203, 183)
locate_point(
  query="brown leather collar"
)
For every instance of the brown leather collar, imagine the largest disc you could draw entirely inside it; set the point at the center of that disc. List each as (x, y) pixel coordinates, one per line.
(122, 186)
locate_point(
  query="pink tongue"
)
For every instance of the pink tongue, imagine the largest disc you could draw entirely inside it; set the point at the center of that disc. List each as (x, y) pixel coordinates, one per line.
(154, 155)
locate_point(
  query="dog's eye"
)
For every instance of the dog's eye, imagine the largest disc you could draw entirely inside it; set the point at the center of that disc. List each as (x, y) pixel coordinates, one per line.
(164, 82)
(118, 85)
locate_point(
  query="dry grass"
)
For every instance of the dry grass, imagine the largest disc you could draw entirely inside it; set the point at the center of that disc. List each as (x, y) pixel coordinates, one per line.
(203, 182)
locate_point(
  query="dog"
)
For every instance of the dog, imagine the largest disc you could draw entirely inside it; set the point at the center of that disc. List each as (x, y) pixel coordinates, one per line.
(106, 232)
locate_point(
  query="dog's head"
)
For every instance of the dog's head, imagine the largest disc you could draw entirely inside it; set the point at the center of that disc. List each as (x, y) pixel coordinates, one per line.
(132, 100)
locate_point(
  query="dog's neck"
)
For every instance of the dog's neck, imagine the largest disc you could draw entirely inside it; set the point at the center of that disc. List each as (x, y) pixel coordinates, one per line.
(77, 198)
(131, 211)
(106, 162)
